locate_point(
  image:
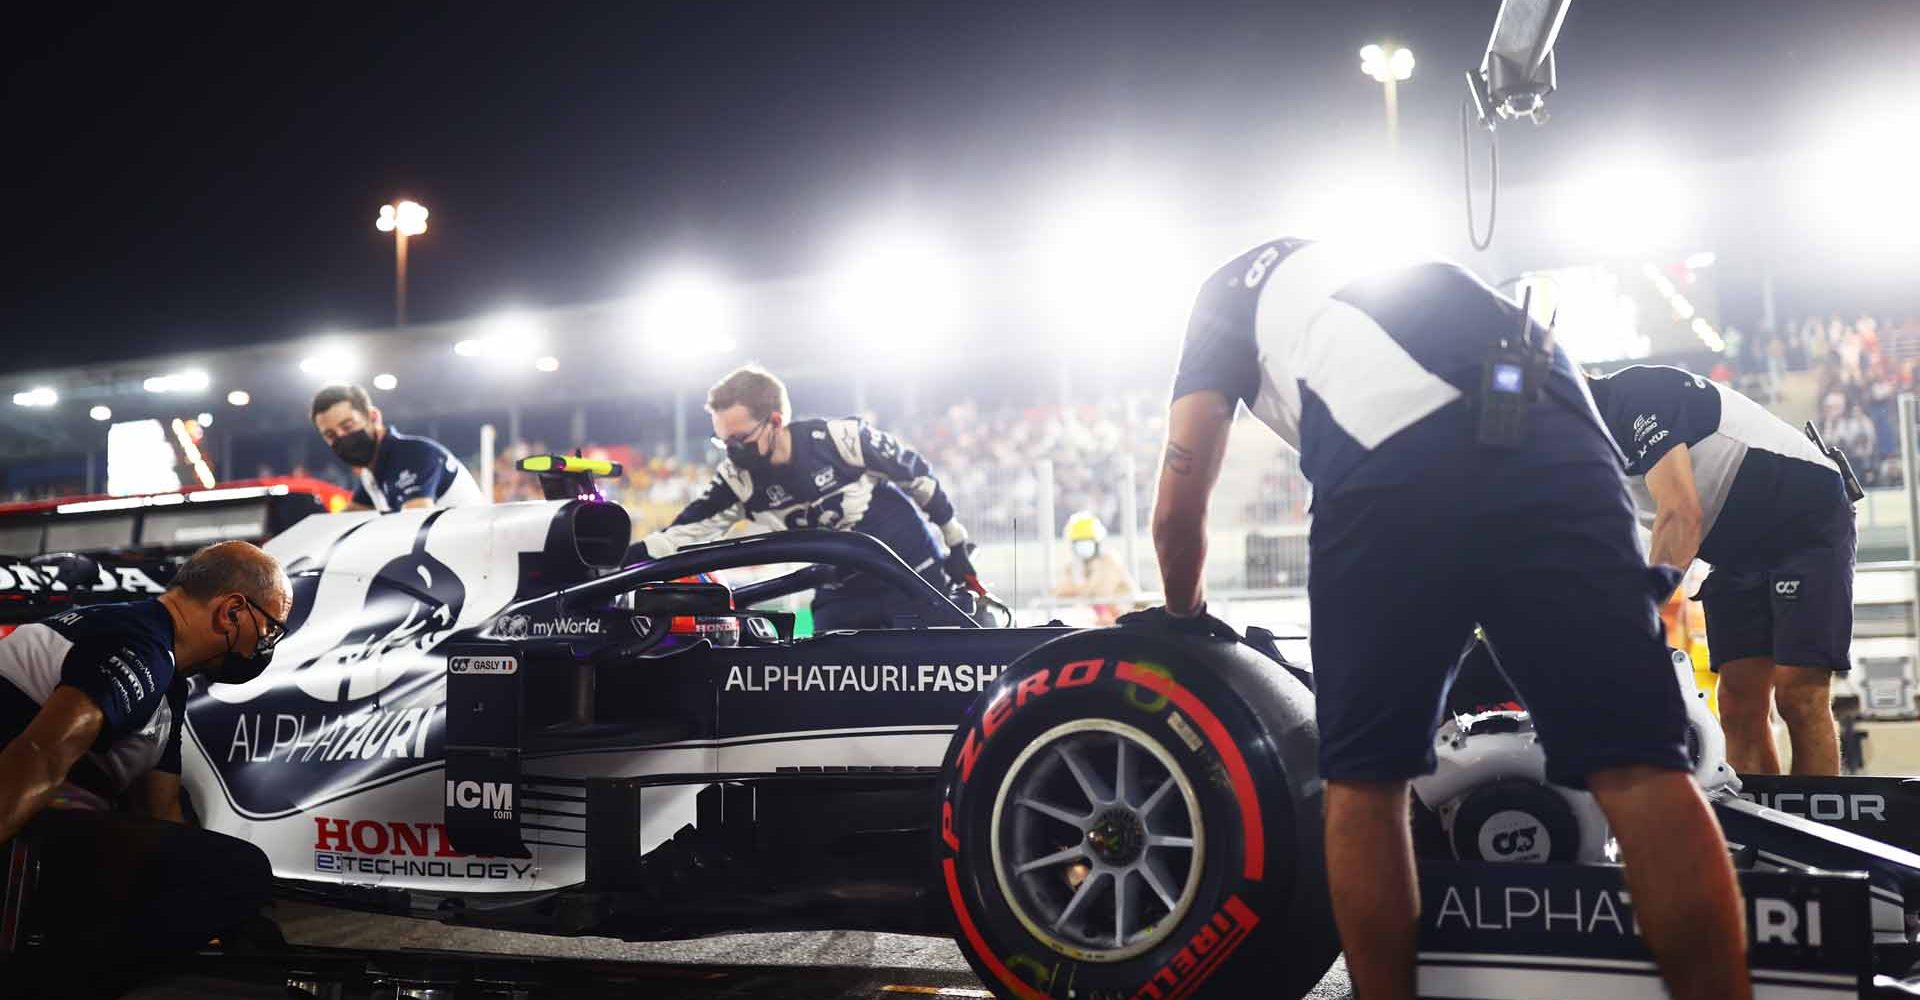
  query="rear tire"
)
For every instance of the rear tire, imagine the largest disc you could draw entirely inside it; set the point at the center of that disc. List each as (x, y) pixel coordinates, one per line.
(1129, 813)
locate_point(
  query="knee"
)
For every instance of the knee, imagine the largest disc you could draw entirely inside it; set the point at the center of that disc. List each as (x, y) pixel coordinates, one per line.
(1744, 700)
(1806, 700)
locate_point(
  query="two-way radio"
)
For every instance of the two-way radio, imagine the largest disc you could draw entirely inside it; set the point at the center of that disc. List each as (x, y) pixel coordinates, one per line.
(1511, 379)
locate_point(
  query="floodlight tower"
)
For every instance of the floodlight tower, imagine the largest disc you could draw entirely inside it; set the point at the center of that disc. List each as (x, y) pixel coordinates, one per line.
(402, 219)
(1391, 65)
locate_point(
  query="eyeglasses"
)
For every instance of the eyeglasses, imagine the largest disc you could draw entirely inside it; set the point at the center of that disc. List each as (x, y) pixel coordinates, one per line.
(723, 443)
(271, 636)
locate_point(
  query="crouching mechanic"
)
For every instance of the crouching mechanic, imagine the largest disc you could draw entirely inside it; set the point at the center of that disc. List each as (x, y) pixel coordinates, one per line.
(91, 706)
(839, 474)
(1717, 476)
(1375, 372)
(396, 472)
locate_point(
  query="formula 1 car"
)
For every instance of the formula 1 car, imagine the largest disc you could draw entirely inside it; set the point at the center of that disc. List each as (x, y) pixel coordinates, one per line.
(478, 715)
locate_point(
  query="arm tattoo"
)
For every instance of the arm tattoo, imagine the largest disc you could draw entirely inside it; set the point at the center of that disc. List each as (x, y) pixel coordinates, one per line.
(1180, 458)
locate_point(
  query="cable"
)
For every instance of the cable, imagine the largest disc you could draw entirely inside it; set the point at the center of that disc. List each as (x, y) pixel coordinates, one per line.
(1466, 170)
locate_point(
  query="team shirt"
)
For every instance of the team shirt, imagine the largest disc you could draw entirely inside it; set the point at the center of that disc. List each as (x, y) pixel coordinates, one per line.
(121, 657)
(1763, 485)
(407, 468)
(843, 474)
(1341, 352)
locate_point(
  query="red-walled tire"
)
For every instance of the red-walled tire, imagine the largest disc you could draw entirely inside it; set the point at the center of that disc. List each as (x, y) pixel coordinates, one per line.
(1127, 813)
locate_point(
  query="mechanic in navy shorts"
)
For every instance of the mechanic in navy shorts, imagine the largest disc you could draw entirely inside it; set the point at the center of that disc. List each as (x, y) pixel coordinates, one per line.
(91, 706)
(1373, 371)
(1716, 476)
(395, 471)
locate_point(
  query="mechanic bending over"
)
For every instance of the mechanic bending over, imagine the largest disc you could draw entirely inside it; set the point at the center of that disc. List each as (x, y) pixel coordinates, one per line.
(1718, 477)
(1460, 475)
(396, 471)
(840, 474)
(91, 706)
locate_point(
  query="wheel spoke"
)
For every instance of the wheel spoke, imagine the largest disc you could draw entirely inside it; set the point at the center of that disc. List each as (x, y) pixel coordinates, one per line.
(1120, 782)
(1123, 906)
(1048, 809)
(1069, 854)
(1082, 776)
(1162, 840)
(1080, 897)
(1147, 807)
(1152, 875)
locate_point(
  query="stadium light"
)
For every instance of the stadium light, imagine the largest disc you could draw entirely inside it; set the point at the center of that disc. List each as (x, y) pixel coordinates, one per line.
(333, 365)
(1092, 292)
(1631, 209)
(513, 337)
(101, 413)
(1390, 66)
(687, 313)
(897, 292)
(385, 382)
(205, 419)
(184, 381)
(1866, 198)
(546, 364)
(403, 219)
(38, 396)
(239, 397)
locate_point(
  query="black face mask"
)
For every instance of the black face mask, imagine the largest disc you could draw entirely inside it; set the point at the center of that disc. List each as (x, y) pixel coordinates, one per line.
(355, 449)
(234, 668)
(745, 455)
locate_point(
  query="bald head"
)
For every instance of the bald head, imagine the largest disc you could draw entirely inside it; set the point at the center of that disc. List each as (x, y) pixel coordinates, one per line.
(233, 568)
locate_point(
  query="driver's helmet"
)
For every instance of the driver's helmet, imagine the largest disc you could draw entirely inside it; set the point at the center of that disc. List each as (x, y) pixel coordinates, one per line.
(1084, 526)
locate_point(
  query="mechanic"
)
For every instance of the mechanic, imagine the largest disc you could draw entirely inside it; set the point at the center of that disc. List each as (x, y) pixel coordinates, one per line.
(839, 474)
(1092, 573)
(396, 471)
(1716, 476)
(1460, 476)
(91, 706)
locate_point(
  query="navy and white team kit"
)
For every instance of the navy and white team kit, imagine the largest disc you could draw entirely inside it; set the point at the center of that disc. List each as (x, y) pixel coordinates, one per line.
(1371, 370)
(1777, 525)
(409, 468)
(121, 657)
(843, 474)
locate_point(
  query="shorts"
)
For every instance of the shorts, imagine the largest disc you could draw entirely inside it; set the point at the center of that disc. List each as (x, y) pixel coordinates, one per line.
(1538, 546)
(1798, 611)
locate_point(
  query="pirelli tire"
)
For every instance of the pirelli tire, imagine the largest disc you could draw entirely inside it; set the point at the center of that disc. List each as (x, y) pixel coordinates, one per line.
(1128, 813)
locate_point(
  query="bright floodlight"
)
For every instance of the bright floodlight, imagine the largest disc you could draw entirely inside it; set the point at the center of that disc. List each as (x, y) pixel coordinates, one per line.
(186, 381)
(687, 313)
(205, 419)
(239, 397)
(898, 291)
(1384, 63)
(409, 217)
(547, 364)
(508, 336)
(1093, 292)
(101, 413)
(38, 396)
(1862, 181)
(336, 365)
(385, 382)
(1632, 208)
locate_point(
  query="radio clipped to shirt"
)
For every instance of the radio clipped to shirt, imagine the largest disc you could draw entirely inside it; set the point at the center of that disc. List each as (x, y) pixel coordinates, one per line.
(1510, 380)
(1855, 492)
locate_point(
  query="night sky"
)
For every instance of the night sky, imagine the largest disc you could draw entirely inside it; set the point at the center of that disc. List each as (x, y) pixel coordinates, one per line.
(196, 175)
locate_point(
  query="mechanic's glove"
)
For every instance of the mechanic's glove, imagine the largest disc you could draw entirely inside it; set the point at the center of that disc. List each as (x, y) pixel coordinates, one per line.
(960, 568)
(1199, 624)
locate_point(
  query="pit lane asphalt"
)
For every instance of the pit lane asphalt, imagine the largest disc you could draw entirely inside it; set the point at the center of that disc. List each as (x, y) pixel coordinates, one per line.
(833, 964)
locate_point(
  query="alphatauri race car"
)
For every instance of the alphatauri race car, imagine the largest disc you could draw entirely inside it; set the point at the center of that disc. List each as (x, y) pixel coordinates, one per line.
(479, 715)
